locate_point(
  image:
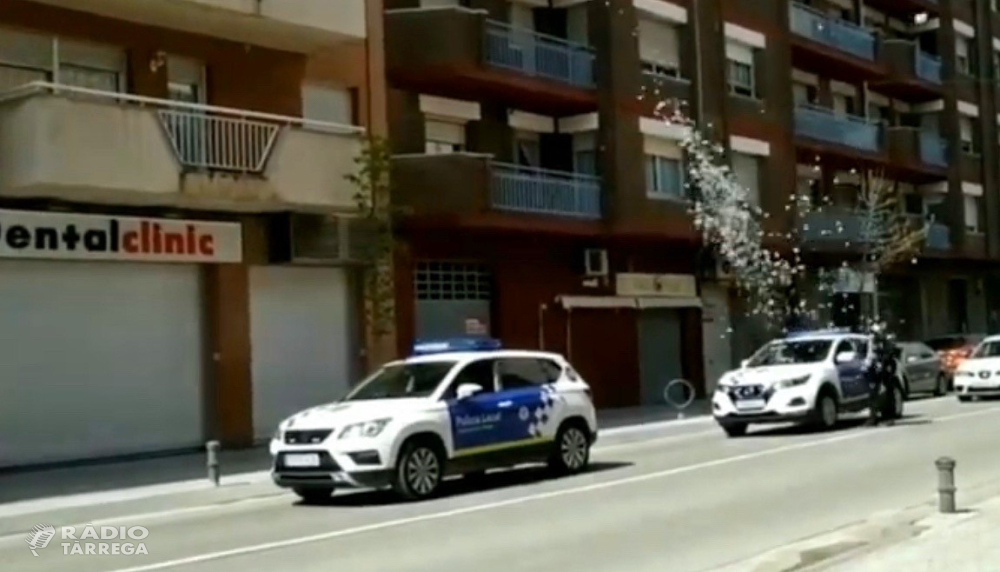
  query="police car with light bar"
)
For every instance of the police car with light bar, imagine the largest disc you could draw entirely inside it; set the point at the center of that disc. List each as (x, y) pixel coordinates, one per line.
(458, 406)
(807, 377)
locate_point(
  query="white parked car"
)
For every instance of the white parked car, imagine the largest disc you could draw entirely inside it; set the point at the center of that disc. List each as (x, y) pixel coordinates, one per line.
(979, 374)
(806, 377)
(458, 406)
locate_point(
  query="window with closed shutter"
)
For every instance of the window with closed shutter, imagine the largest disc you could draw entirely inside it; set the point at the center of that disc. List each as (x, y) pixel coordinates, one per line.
(444, 136)
(93, 66)
(973, 218)
(746, 169)
(659, 48)
(327, 103)
(967, 133)
(962, 59)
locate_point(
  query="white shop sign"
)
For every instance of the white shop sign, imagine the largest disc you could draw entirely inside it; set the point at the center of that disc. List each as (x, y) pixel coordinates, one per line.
(65, 236)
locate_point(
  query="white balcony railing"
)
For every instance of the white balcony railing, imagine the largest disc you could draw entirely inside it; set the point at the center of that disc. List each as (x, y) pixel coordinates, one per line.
(46, 127)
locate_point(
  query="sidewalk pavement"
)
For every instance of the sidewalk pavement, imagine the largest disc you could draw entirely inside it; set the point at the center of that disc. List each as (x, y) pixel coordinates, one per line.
(26, 491)
(968, 541)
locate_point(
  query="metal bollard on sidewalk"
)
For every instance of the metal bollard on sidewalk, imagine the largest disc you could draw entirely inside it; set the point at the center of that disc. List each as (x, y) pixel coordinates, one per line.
(212, 461)
(946, 484)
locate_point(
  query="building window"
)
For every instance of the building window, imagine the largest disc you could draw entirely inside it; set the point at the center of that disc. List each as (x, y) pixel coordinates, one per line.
(29, 57)
(659, 48)
(804, 93)
(973, 214)
(527, 149)
(585, 153)
(963, 58)
(327, 103)
(452, 281)
(741, 71)
(746, 169)
(967, 129)
(664, 177)
(443, 137)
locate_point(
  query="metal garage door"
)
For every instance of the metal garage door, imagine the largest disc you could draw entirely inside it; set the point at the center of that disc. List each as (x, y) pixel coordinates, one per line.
(98, 359)
(302, 330)
(453, 299)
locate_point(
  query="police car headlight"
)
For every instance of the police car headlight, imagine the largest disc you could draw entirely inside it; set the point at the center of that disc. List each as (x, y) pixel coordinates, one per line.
(366, 429)
(795, 382)
(965, 373)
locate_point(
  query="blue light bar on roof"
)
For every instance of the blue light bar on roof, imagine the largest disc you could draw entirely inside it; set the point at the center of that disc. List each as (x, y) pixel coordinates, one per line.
(470, 344)
(823, 332)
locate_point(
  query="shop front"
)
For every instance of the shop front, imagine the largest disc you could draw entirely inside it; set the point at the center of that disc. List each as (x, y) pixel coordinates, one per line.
(103, 348)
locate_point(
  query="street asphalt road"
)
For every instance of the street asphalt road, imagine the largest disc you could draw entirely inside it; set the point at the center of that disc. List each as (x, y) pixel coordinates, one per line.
(682, 499)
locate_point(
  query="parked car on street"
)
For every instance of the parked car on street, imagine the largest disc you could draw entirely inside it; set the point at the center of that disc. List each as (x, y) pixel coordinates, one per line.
(809, 377)
(954, 348)
(455, 407)
(923, 369)
(979, 375)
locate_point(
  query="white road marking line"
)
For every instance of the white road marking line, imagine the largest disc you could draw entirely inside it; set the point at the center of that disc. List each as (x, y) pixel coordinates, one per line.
(283, 496)
(267, 546)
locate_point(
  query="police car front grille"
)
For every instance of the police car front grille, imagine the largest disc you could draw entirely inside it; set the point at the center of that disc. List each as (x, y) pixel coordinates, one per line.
(310, 437)
(326, 464)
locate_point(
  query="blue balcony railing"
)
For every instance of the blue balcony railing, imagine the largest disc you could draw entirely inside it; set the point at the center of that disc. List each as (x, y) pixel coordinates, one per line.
(539, 55)
(933, 149)
(938, 237)
(824, 125)
(838, 34)
(542, 191)
(837, 228)
(928, 67)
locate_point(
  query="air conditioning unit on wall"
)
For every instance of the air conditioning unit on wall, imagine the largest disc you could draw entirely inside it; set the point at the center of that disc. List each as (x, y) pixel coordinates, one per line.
(595, 262)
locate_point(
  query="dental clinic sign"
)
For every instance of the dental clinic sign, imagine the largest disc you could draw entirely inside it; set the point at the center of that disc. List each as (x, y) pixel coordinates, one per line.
(64, 236)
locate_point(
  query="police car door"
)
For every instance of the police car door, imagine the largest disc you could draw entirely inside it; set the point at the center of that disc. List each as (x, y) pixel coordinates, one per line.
(527, 404)
(475, 421)
(853, 384)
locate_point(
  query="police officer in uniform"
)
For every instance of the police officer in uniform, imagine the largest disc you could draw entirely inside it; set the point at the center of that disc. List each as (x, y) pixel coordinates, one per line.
(881, 373)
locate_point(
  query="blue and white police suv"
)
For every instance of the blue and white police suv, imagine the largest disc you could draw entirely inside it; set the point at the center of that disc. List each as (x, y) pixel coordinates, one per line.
(458, 406)
(807, 377)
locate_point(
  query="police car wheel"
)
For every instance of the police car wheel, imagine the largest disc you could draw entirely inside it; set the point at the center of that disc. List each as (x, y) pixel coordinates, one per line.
(418, 471)
(314, 495)
(897, 412)
(826, 411)
(572, 450)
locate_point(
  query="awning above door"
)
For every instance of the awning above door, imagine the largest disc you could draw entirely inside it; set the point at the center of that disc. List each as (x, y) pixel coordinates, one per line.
(634, 302)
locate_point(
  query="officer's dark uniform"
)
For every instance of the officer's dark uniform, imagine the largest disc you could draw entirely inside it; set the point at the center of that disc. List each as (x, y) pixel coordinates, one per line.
(881, 377)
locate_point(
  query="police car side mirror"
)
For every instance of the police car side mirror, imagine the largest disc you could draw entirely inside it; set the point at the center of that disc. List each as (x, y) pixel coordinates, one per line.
(744, 364)
(912, 358)
(846, 357)
(467, 390)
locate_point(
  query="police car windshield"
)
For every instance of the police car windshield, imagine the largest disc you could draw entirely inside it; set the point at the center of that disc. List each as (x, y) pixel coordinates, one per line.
(989, 349)
(401, 380)
(790, 352)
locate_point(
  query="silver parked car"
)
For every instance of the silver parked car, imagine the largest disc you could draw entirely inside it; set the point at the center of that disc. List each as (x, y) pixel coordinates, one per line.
(923, 369)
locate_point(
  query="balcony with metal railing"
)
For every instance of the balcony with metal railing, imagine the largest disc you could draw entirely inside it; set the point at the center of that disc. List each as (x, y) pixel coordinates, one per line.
(933, 149)
(473, 185)
(465, 55)
(544, 191)
(913, 74)
(938, 237)
(539, 55)
(825, 127)
(834, 33)
(86, 145)
(293, 25)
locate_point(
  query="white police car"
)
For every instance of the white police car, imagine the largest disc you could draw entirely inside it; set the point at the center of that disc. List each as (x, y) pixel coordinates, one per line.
(806, 377)
(457, 406)
(979, 374)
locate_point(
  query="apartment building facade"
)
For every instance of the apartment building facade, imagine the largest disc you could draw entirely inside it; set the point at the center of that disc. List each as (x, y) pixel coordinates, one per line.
(176, 262)
(546, 204)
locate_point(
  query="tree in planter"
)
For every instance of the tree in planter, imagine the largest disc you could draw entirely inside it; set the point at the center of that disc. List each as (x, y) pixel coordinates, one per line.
(887, 237)
(371, 180)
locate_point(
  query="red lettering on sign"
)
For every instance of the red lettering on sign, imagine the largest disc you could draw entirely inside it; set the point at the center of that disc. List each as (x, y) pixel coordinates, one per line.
(131, 241)
(206, 245)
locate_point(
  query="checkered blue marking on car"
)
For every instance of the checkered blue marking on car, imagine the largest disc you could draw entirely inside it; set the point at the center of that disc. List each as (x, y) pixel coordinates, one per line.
(494, 420)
